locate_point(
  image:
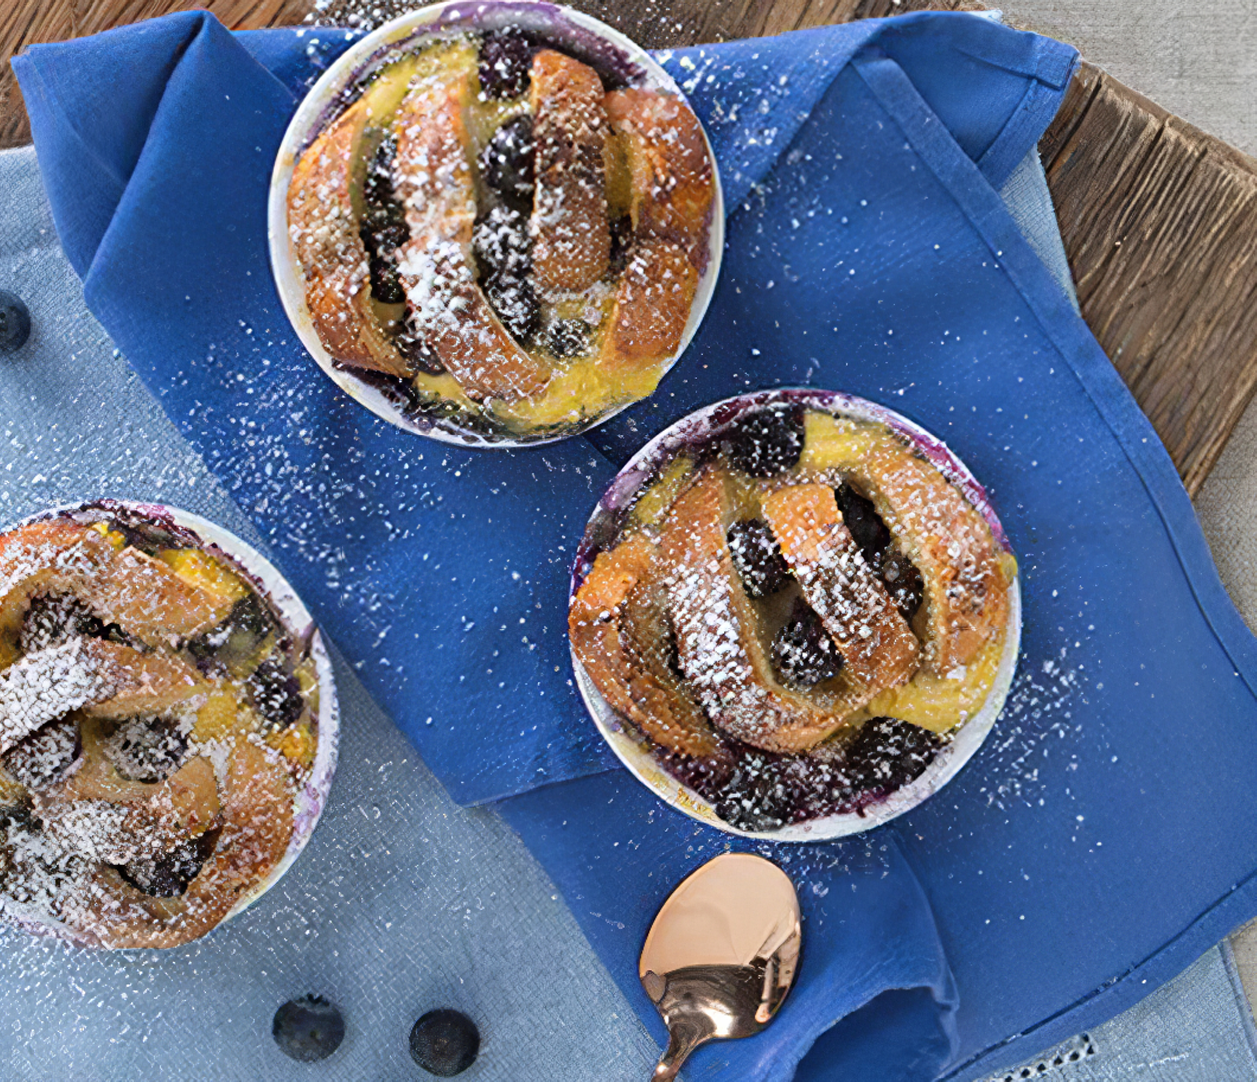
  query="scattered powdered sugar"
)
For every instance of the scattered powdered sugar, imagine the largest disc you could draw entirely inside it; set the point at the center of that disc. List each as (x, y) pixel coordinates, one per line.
(1037, 722)
(47, 685)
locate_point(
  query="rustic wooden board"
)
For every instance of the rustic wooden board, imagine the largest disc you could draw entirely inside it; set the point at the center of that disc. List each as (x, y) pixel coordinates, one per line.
(1160, 225)
(1159, 219)
(23, 22)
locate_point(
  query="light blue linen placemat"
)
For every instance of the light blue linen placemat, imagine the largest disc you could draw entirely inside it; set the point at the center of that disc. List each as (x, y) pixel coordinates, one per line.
(403, 901)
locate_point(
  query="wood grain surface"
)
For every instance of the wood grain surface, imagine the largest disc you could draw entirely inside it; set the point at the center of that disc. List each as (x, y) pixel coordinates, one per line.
(1160, 224)
(1159, 219)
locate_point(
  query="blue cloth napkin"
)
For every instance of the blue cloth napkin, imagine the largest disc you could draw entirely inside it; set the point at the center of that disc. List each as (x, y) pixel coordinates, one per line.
(1104, 836)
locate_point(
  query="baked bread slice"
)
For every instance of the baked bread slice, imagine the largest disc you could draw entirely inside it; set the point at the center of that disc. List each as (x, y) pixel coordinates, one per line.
(671, 185)
(719, 643)
(618, 633)
(323, 225)
(946, 539)
(877, 646)
(433, 178)
(570, 230)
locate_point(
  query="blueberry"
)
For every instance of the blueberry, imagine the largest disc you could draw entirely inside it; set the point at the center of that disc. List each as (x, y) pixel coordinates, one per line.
(233, 643)
(500, 241)
(308, 1029)
(903, 582)
(145, 749)
(505, 64)
(44, 756)
(276, 694)
(383, 227)
(55, 618)
(757, 557)
(887, 753)
(413, 347)
(15, 322)
(865, 524)
(506, 164)
(168, 876)
(568, 337)
(516, 305)
(767, 441)
(621, 240)
(444, 1042)
(758, 795)
(803, 653)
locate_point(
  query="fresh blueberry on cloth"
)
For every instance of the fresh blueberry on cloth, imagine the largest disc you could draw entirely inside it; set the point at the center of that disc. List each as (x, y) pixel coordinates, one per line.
(308, 1029)
(444, 1042)
(15, 322)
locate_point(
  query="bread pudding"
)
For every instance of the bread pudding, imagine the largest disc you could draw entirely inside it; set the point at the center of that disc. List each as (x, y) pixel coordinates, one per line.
(796, 608)
(503, 238)
(161, 725)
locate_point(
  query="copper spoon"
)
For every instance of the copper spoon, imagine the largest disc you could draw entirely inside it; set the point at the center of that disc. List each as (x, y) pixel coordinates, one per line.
(721, 955)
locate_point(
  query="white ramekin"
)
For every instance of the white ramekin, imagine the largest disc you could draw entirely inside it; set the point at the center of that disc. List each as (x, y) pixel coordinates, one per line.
(633, 749)
(583, 36)
(310, 800)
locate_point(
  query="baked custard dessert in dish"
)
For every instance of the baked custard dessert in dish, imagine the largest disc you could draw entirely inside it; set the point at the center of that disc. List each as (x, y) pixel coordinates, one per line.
(504, 238)
(794, 614)
(167, 725)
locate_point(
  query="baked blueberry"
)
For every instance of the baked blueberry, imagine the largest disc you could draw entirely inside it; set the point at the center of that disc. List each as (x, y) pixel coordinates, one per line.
(444, 1042)
(803, 653)
(46, 755)
(865, 524)
(767, 441)
(54, 618)
(888, 753)
(236, 641)
(506, 164)
(568, 337)
(383, 226)
(903, 583)
(169, 875)
(505, 59)
(621, 241)
(146, 749)
(515, 303)
(413, 347)
(15, 322)
(758, 795)
(757, 557)
(500, 241)
(276, 694)
(308, 1029)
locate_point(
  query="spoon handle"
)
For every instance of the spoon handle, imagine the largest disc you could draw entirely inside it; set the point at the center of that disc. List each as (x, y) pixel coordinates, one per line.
(683, 1038)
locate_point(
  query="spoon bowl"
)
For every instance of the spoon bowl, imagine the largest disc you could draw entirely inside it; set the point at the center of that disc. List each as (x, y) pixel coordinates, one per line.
(721, 955)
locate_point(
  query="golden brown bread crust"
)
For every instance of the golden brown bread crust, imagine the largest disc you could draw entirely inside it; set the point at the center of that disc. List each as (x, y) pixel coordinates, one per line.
(125, 587)
(651, 307)
(571, 233)
(628, 671)
(671, 182)
(949, 542)
(324, 232)
(256, 827)
(718, 645)
(153, 603)
(432, 177)
(142, 683)
(670, 189)
(878, 648)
